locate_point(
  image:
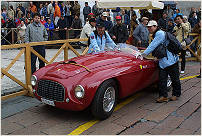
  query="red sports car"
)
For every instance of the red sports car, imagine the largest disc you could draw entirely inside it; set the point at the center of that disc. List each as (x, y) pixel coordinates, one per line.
(96, 80)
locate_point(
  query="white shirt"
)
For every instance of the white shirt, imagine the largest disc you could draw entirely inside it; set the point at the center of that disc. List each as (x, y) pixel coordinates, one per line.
(86, 31)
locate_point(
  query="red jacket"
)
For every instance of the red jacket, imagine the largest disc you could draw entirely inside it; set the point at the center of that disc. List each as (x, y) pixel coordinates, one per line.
(43, 22)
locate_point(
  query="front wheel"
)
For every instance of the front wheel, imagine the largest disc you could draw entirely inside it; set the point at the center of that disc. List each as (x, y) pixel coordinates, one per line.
(105, 100)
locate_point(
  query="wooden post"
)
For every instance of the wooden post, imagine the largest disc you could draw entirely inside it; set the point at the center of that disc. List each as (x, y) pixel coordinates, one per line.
(12, 36)
(199, 46)
(65, 52)
(28, 67)
(67, 34)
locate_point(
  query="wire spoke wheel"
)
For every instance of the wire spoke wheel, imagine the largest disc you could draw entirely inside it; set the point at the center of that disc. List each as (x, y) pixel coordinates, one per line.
(109, 99)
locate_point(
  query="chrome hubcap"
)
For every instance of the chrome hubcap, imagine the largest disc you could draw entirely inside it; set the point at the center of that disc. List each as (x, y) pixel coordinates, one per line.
(109, 99)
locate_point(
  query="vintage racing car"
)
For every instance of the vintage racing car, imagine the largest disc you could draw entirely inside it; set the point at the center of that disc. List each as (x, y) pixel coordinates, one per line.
(96, 80)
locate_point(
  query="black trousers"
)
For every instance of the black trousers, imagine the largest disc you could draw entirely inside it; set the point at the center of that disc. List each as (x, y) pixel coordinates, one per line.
(173, 72)
(62, 34)
(183, 62)
(85, 17)
(41, 50)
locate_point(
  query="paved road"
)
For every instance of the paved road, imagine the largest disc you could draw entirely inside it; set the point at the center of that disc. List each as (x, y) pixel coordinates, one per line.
(26, 116)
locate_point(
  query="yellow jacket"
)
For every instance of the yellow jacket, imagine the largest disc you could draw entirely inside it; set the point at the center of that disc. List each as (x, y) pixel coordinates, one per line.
(178, 32)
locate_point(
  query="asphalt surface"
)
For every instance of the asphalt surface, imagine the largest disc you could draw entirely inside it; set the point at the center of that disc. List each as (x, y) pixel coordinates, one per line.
(27, 116)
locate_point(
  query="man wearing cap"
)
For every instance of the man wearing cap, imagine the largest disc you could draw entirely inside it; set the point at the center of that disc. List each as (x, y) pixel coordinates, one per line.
(119, 32)
(99, 39)
(88, 28)
(167, 65)
(90, 15)
(103, 19)
(141, 33)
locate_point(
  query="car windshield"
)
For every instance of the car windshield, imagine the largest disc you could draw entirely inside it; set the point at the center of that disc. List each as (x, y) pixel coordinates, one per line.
(126, 48)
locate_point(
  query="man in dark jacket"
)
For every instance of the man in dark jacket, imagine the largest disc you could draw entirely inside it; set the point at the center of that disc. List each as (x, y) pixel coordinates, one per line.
(76, 24)
(193, 20)
(119, 32)
(103, 19)
(62, 25)
(86, 11)
(163, 22)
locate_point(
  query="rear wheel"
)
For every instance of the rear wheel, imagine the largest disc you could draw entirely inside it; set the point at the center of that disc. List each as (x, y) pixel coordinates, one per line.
(105, 100)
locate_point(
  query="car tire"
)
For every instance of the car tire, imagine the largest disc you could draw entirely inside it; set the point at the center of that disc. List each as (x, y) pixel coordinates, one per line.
(105, 100)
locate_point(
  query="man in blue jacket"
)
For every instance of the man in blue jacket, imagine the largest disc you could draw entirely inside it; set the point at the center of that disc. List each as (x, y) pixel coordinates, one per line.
(49, 27)
(125, 18)
(141, 33)
(168, 65)
(99, 39)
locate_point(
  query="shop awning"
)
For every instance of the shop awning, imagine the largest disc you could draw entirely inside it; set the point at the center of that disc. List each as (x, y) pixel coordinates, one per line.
(127, 4)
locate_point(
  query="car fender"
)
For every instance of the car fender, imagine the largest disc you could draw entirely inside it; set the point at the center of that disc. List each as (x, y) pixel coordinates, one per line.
(94, 79)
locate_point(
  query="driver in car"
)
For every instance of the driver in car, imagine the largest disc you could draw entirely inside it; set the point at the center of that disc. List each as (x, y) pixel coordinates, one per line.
(99, 39)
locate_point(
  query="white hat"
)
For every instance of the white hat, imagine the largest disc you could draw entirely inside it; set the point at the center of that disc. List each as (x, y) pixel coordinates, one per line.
(104, 14)
(185, 17)
(152, 23)
(145, 18)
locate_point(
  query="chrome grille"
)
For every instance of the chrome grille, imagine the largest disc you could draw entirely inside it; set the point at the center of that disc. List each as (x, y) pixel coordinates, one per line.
(51, 90)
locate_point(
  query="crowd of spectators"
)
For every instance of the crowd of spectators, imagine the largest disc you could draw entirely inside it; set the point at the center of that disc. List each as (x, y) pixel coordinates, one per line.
(66, 15)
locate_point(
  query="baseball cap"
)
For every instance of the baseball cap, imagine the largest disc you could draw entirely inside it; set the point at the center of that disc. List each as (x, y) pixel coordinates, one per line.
(152, 23)
(100, 24)
(92, 20)
(104, 14)
(90, 14)
(185, 17)
(118, 17)
(144, 18)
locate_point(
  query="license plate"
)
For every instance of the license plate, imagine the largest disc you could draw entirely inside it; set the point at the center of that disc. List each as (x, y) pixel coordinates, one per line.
(49, 102)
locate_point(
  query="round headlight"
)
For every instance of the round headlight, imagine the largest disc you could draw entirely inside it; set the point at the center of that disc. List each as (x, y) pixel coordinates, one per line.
(33, 80)
(79, 92)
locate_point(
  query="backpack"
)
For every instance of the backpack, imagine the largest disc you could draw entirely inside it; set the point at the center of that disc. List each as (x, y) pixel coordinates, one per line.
(96, 33)
(160, 51)
(174, 45)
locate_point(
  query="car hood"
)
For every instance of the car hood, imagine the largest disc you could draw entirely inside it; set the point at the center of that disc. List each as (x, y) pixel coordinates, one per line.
(89, 63)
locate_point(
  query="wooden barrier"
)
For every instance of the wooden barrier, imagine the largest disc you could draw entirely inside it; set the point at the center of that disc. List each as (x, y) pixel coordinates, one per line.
(197, 54)
(27, 50)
